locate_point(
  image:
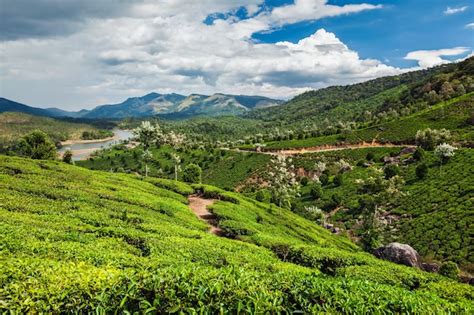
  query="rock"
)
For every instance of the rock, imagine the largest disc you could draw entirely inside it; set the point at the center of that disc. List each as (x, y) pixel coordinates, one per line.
(408, 150)
(430, 267)
(399, 253)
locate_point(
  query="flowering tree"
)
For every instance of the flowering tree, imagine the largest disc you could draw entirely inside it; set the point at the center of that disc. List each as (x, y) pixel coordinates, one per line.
(147, 134)
(177, 164)
(429, 138)
(444, 151)
(176, 140)
(379, 191)
(282, 181)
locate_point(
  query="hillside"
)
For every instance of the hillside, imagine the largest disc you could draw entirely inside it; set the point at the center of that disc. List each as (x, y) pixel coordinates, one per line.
(13, 125)
(364, 101)
(179, 106)
(85, 241)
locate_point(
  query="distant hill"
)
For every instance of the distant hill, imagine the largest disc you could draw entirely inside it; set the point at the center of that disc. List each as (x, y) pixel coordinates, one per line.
(180, 106)
(168, 105)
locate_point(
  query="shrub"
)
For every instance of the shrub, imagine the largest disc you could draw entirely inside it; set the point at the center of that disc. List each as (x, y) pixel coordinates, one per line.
(304, 181)
(316, 191)
(421, 171)
(192, 174)
(449, 269)
(260, 196)
(419, 154)
(391, 170)
(67, 157)
(338, 180)
(370, 156)
(324, 179)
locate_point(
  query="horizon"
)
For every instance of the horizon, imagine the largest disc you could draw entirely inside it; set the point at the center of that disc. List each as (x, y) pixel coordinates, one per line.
(105, 53)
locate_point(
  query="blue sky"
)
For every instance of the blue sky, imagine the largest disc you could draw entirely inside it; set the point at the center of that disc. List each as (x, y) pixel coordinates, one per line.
(84, 53)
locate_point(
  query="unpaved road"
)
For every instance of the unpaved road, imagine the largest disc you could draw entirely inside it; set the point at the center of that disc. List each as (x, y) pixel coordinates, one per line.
(199, 206)
(328, 148)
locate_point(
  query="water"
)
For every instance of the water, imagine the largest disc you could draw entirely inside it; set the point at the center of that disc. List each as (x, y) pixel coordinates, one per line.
(81, 151)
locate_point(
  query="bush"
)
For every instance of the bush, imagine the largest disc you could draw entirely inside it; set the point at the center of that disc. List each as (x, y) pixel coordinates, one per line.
(316, 191)
(419, 154)
(192, 174)
(304, 181)
(421, 171)
(449, 269)
(67, 157)
(391, 170)
(36, 145)
(338, 180)
(370, 156)
(260, 196)
(324, 179)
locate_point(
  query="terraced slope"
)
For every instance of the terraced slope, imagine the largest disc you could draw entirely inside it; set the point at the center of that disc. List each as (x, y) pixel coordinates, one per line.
(75, 240)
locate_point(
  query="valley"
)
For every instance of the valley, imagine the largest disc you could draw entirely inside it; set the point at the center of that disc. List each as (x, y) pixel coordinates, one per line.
(353, 199)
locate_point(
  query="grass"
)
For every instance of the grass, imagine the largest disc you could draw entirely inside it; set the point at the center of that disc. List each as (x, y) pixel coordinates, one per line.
(75, 240)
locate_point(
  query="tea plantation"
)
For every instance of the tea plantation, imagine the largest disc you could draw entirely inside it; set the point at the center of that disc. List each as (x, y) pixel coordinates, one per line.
(81, 241)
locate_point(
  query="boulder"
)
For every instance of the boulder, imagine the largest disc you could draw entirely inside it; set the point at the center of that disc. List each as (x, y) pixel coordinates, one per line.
(398, 253)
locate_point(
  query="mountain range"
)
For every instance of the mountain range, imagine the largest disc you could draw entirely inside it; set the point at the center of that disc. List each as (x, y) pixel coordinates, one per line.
(169, 105)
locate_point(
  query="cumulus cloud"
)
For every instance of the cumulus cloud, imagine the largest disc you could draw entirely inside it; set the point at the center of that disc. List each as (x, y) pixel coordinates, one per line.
(430, 58)
(470, 26)
(112, 53)
(455, 10)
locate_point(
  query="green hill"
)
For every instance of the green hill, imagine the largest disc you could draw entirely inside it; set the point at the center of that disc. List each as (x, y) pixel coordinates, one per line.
(13, 125)
(75, 240)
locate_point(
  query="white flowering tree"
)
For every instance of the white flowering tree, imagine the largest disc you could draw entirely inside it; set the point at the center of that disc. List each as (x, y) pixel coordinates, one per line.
(147, 134)
(343, 166)
(377, 191)
(282, 181)
(177, 164)
(444, 152)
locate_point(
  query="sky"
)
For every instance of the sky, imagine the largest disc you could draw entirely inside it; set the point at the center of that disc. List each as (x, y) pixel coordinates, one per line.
(76, 54)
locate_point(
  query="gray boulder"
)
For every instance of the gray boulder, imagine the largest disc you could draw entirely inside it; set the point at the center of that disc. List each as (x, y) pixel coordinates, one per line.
(398, 253)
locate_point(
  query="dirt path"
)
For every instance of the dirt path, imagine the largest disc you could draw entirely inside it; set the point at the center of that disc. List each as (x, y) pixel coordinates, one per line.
(199, 206)
(328, 148)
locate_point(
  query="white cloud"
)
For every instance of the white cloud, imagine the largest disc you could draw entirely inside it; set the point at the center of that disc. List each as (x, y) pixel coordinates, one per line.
(450, 11)
(164, 46)
(470, 26)
(430, 58)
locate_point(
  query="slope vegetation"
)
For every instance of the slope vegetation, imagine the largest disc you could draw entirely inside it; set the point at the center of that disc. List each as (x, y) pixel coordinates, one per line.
(75, 240)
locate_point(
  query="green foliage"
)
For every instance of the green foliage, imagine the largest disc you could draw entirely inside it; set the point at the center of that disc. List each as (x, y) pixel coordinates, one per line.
(67, 157)
(36, 145)
(304, 181)
(316, 191)
(338, 180)
(82, 241)
(421, 171)
(192, 174)
(260, 196)
(96, 134)
(391, 170)
(449, 269)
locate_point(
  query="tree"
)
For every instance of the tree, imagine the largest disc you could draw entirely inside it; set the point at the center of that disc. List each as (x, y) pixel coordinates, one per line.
(449, 269)
(428, 138)
(67, 157)
(316, 191)
(147, 134)
(391, 170)
(192, 174)
(380, 192)
(370, 156)
(444, 152)
(177, 167)
(446, 90)
(282, 181)
(419, 154)
(421, 171)
(338, 180)
(304, 181)
(36, 145)
(324, 179)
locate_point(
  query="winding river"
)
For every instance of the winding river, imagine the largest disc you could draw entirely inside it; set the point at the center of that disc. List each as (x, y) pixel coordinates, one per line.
(81, 150)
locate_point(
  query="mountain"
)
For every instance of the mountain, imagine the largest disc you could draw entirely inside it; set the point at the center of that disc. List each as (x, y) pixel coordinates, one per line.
(179, 106)
(7, 105)
(167, 105)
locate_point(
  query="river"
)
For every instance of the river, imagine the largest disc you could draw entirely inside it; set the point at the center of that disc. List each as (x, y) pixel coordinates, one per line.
(82, 150)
